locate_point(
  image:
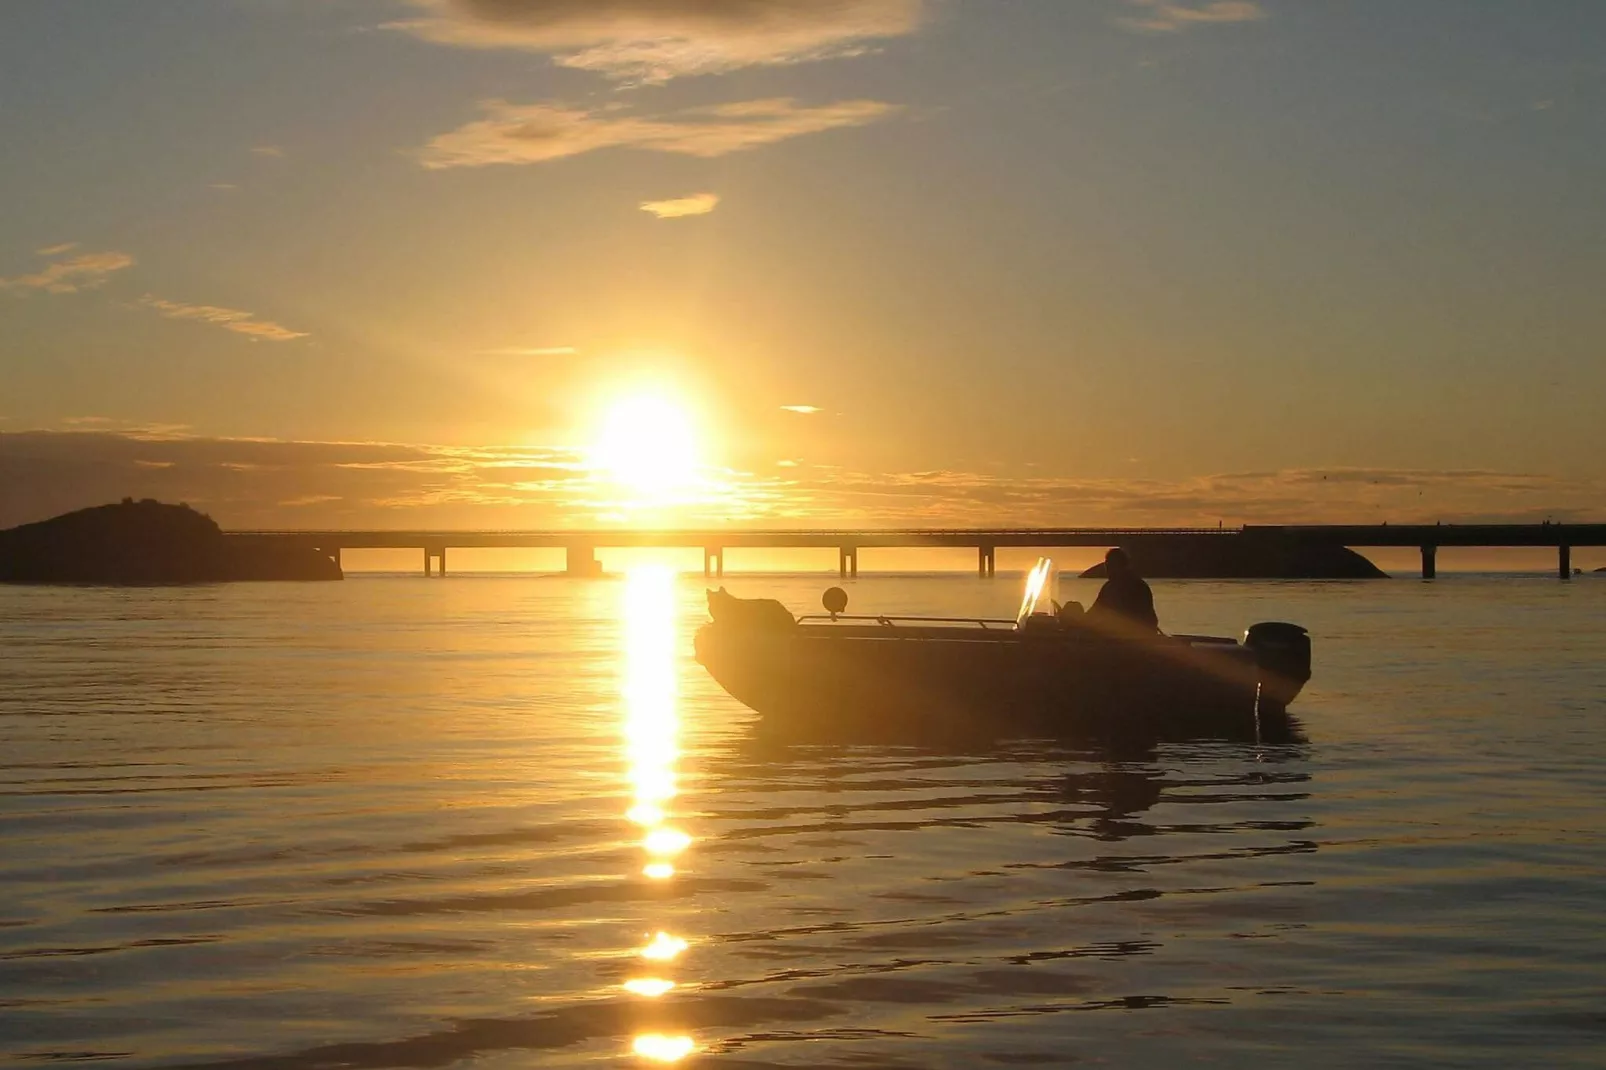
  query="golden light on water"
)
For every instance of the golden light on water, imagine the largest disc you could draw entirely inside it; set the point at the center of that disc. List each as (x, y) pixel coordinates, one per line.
(666, 841)
(663, 947)
(646, 814)
(651, 746)
(663, 1049)
(651, 987)
(652, 725)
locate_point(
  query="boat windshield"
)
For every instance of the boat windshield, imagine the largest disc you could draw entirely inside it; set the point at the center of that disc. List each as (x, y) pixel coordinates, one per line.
(1036, 590)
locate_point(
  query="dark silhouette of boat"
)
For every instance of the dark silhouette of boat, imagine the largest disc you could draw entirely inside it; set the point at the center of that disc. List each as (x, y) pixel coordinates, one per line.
(1043, 674)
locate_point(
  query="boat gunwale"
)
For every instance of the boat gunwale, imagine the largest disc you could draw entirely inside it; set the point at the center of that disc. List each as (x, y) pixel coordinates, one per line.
(890, 620)
(866, 628)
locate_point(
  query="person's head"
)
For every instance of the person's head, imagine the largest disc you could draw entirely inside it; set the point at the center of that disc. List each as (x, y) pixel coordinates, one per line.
(1117, 563)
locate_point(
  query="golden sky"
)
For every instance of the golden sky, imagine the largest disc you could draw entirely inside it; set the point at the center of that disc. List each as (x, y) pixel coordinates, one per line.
(405, 262)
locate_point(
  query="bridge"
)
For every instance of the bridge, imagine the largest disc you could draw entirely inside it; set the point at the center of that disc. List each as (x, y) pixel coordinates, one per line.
(581, 546)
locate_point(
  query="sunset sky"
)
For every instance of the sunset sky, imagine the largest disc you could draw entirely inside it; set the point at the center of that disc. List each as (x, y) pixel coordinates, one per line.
(395, 262)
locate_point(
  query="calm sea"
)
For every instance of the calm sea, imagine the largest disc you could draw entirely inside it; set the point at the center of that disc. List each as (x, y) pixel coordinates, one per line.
(508, 821)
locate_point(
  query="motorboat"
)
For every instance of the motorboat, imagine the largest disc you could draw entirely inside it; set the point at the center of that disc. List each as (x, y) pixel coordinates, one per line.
(1049, 670)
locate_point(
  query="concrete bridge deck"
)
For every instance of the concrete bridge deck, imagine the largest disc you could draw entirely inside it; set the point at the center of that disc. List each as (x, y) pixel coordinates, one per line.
(581, 546)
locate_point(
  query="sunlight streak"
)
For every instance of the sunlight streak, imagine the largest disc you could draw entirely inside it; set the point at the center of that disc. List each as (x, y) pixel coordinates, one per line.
(651, 748)
(663, 948)
(650, 987)
(663, 1049)
(666, 841)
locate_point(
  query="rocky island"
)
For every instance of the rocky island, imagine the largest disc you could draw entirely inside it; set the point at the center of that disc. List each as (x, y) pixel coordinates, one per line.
(1242, 557)
(147, 542)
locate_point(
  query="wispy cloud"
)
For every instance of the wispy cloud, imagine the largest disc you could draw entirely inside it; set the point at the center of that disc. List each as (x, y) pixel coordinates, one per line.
(1307, 495)
(272, 151)
(802, 410)
(655, 40)
(680, 207)
(530, 351)
(249, 482)
(535, 133)
(252, 482)
(57, 250)
(122, 426)
(71, 275)
(230, 319)
(1166, 16)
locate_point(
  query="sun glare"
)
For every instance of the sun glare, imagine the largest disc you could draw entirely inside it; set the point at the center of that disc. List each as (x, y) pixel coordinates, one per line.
(648, 445)
(663, 1049)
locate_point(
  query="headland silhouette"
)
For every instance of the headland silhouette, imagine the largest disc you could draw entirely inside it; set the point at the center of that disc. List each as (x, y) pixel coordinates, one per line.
(1244, 557)
(149, 543)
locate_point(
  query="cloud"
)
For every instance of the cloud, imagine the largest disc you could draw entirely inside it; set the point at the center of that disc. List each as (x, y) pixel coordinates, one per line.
(530, 351)
(269, 482)
(83, 272)
(272, 151)
(802, 410)
(1164, 16)
(1309, 495)
(57, 250)
(230, 319)
(680, 207)
(536, 133)
(655, 40)
(248, 483)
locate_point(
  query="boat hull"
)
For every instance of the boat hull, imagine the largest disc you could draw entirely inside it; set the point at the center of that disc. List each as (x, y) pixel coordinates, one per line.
(1051, 683)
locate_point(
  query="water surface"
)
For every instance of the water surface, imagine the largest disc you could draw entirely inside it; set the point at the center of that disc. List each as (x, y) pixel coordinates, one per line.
(507, 820)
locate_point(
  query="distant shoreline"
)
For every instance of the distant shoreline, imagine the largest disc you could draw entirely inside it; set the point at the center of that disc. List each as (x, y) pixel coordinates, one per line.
(148, 544)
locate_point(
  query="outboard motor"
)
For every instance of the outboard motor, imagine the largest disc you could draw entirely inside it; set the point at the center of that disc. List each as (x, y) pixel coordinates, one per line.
(1282, 651)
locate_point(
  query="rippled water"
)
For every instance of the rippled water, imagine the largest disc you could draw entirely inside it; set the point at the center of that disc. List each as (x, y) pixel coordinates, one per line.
(394, 822)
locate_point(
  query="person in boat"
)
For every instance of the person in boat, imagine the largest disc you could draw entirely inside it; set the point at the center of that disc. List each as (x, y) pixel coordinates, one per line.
(1125, 601)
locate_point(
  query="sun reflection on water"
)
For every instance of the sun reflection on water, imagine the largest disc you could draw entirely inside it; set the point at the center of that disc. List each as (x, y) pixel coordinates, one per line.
(651, 987)
(663, 947)
(663, 1049)
(651, 741)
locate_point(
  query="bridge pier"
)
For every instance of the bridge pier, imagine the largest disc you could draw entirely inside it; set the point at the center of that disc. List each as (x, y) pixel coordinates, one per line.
(1564, 564)
(1430, 562)
(848, 562)
(713, 562)
(581, 560)
(986, 562)
(431, 553)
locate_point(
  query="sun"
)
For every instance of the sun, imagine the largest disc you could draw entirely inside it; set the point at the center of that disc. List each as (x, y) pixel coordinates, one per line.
(648, 444)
